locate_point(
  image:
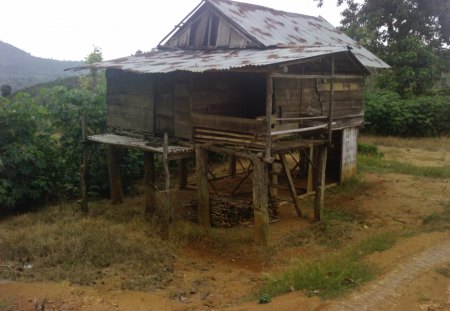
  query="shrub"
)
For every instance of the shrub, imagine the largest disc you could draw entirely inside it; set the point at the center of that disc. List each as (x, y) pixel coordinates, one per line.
(388, 114)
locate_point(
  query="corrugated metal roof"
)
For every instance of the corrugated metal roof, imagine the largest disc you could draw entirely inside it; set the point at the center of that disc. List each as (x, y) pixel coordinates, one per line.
(200, 61)
(274, 28)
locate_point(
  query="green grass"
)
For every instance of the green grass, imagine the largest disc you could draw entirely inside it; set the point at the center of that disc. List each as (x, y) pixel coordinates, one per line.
(369, 163)
(332, 275)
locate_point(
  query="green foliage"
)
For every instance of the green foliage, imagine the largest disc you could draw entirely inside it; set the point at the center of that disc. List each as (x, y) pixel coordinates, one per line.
(368, 149)
(377, 164)
(28, 170)
(411, 36)
(95, 56)
(40, 145)
(264, 298)
(415, 67)
(388, 114)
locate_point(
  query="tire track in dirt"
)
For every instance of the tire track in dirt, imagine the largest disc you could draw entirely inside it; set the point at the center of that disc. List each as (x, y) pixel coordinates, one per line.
(382, 294)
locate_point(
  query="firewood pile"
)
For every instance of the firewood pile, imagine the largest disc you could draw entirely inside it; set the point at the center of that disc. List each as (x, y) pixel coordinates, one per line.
(229, 212)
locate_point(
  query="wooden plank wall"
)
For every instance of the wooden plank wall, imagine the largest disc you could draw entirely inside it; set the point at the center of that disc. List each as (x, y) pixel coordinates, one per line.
(130, 101)
(200, 31)
(296, 97)
(229, 94)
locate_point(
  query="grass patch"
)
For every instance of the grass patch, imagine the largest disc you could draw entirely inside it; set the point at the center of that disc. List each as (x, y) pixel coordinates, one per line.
(332, 275)
(369, 149)
(377, 164)
(439, 220)
(55, 244)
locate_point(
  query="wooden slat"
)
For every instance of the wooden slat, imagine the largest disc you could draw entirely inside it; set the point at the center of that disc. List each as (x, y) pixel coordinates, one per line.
(228, 123)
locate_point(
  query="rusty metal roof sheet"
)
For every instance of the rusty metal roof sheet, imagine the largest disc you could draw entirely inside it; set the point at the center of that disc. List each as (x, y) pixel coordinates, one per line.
(274, 28)
(164, 61)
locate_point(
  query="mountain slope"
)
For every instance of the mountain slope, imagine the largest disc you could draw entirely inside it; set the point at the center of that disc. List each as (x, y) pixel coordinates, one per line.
(20, 69)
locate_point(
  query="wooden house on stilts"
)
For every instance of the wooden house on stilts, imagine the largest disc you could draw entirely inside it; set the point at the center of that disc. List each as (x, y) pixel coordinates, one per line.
(247, 81)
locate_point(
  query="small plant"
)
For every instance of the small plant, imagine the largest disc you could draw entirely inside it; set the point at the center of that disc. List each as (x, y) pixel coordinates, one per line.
(264, 298)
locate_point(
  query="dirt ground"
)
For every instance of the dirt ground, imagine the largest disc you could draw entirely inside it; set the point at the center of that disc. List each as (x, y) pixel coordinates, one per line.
(411, 275)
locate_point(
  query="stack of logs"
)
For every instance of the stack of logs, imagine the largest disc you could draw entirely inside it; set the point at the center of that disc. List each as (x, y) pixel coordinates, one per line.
(227, 212)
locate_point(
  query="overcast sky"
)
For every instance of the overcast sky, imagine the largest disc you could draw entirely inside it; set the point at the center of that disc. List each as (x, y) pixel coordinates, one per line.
(68, 29)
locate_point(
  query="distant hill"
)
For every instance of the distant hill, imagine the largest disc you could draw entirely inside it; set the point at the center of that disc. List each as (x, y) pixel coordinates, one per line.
(20, 69)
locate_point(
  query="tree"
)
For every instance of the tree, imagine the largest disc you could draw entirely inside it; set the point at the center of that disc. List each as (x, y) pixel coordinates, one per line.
(95, 56)
(6, 90)
(408, 34)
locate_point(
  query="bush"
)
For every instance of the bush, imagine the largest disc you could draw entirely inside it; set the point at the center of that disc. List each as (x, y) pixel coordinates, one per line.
(40, 146)
(388, 114)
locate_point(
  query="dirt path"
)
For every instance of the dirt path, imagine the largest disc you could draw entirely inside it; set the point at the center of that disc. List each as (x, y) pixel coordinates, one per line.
(384, 294)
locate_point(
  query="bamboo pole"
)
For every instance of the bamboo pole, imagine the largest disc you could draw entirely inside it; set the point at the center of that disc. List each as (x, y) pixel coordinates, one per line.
(321, 166)
(201, 163)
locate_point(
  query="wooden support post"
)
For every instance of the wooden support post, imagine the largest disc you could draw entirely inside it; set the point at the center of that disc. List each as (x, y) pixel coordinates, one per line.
(232, 165)
(331, 102)
(321, 166)
(201, 166)
(149, 182)
(165, 204)
(84, 167)
(269, 103)
(115, 180)
(260, 201)
(183, 171)
(310, 185)
(291, 185)
(273, 188)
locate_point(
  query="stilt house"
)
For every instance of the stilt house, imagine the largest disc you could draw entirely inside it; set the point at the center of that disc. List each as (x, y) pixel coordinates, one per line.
(247, 81)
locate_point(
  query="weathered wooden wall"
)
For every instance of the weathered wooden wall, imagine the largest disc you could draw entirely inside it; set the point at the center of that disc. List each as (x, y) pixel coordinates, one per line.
(229, 94)
(130, 101)
(208, 30)
(301, 97)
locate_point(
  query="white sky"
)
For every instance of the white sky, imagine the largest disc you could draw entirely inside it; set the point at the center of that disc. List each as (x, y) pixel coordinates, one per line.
(68, 29)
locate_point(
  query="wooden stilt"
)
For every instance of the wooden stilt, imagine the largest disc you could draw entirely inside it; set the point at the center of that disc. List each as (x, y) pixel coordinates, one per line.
(310, 185)
(232, 165)
(273, 188)
(260, 201)
(183, 173)
(149, 182)
(321, 166)
(201, 162)
(291, 185)
(84, 167)
(115, 180)
(165, 205)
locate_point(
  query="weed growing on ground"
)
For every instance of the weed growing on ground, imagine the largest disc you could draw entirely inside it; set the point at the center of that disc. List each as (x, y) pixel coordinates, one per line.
(56, 245)
(368, 163)
(331, 275)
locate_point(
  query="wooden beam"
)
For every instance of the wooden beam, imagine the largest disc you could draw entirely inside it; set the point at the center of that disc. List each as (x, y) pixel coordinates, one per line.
(274, 171)
(297, 76)
(201, 163)
(269, 103)
(115, 179)
(331, 102)
(300, 130)
(149, 182)
(291, 185)
(311, 170)
(321, 166)
(260, 201)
